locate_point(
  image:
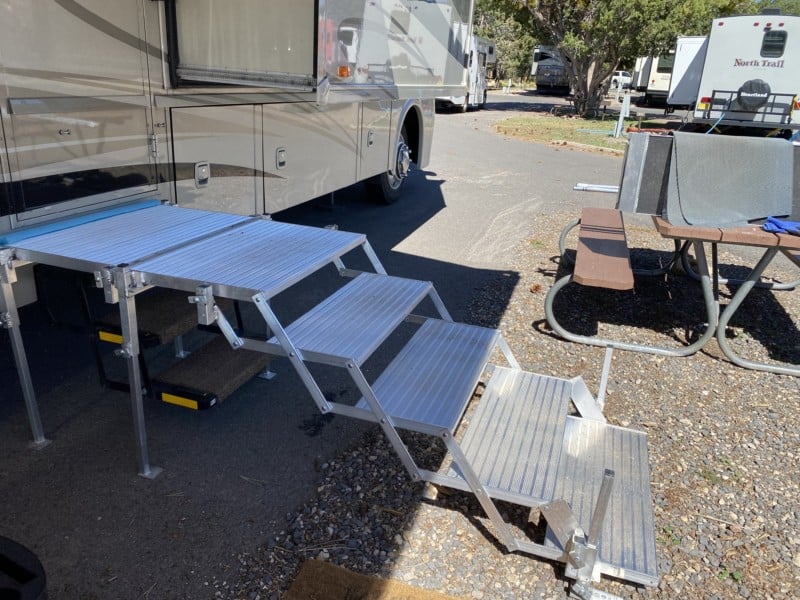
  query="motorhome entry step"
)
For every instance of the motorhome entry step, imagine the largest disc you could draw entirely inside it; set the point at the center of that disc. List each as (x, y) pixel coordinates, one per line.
(208, 375)
(162, 315)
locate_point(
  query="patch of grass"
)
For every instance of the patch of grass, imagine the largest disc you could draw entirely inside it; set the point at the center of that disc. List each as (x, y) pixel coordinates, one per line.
(727, 574)
(710, 476)
(550, 129)
(671, 536)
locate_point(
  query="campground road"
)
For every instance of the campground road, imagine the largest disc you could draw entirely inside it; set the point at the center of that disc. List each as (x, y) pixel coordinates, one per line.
(231, 474)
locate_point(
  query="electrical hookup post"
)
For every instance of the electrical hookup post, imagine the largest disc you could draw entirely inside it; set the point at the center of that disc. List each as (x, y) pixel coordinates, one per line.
(625, 111)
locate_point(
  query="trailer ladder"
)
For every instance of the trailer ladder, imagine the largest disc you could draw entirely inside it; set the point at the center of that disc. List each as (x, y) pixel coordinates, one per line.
(523, 442)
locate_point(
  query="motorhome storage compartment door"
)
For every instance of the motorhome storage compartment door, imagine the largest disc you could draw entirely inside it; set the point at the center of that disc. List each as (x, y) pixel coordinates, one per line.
(59, 159)
(218, 158)
(246, 42)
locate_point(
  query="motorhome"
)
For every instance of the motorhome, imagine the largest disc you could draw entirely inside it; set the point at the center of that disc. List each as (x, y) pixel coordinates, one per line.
(690, 53)
(244, 107)
(479, 56)
(550, 70)
(749, 76)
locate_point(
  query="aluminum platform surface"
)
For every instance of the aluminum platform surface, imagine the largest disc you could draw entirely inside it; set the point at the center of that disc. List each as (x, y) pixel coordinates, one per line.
(180, 248)
(124, 238)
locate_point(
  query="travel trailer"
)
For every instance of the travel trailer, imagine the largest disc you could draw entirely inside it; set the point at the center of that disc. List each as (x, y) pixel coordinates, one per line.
(479, 56)
(549, 70)
(749, 76)
(658, 80)
(641, 72)
(690, 53)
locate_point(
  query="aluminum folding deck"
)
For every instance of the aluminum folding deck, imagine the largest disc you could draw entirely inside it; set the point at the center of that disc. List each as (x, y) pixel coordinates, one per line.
(522, 443)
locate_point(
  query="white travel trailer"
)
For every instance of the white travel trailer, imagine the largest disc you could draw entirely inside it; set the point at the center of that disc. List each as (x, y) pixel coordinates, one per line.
(480, 54)
(690, 53)
(246, 107)
(750, 74)
(658, 80)
(641, 71)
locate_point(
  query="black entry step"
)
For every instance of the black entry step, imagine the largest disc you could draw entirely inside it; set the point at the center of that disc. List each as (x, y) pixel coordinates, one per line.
(208, 375)
(162, 315)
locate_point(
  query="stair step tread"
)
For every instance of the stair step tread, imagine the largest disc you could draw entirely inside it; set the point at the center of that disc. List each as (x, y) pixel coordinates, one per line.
(162, 314)
(627, 542)
(513, 440)
(429, 383)
(354, 321)
(212, 372)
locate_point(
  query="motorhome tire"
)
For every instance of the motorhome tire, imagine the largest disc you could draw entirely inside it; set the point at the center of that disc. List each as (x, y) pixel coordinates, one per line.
(386, 188)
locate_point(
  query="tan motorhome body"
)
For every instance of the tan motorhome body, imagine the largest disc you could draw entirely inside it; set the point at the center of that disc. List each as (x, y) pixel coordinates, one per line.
(245, 107)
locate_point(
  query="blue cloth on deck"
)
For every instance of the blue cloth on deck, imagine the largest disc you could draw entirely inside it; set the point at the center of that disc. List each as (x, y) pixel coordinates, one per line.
(781, 226)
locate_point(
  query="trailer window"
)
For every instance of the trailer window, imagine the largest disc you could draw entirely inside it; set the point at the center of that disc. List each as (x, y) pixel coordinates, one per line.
(773, 44)
(665, 63)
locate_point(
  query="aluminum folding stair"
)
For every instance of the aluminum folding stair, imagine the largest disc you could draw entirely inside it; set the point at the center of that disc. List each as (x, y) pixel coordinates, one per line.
(590, 479)
(532, 440)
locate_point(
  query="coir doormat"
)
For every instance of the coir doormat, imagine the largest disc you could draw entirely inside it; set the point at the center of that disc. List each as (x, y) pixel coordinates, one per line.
(320, 580)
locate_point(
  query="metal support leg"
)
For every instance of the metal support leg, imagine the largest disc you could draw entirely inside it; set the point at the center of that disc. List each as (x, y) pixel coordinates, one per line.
(731, 309)
(9, 319)
(130, 352)
(709, 299)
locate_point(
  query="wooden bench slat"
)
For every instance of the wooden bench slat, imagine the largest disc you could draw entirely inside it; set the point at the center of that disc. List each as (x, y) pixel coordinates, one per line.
(602, 258)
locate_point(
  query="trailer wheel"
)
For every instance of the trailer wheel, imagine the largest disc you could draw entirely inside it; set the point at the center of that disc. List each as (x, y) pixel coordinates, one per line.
(386, 187)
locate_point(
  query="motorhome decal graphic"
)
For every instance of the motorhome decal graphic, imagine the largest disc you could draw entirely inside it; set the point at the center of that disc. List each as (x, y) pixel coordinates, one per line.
(86, 15)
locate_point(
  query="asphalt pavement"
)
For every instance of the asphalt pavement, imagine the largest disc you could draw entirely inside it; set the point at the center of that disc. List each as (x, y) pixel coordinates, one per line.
(231, 474)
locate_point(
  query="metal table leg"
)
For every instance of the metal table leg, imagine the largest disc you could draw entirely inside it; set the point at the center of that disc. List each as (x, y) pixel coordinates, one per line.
(731, 309)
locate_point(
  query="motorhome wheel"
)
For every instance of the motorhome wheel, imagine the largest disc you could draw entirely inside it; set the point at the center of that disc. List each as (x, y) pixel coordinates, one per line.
(386, 187)
(753, 94)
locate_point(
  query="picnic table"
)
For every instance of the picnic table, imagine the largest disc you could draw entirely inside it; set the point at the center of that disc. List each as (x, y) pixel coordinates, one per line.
(748, 235)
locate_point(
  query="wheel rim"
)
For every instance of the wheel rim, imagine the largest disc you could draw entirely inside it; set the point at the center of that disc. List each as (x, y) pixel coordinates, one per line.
(402, 164)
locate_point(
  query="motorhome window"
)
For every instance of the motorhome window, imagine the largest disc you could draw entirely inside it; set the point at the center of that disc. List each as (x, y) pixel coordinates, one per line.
(773, 44)
(243, 43)
(665, 63)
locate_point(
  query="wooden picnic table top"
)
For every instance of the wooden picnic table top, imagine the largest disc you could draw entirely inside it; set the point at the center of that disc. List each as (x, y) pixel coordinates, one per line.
(746, 235)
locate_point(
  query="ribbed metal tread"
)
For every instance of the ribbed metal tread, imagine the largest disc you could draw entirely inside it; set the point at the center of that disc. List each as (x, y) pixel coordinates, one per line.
(429, 383)
(627, 543)
(513, 440)
(354, 321)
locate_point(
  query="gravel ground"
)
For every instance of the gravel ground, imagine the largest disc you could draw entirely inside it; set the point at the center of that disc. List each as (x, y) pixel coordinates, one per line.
(724, 446)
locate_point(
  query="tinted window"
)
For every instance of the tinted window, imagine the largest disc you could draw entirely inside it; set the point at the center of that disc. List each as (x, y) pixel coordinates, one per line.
(773, 44)
(665, 63)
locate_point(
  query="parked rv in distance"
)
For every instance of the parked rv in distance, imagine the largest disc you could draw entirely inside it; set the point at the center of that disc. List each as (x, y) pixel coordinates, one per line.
(549, 69)
(480, 54)
(750, 73)
(690, 54)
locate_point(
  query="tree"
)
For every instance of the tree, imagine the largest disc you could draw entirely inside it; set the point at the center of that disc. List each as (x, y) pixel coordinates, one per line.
(511, 33)
(596, 35)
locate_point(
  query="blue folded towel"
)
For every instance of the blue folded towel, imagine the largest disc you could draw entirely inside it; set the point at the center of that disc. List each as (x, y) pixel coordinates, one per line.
(780, 226)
